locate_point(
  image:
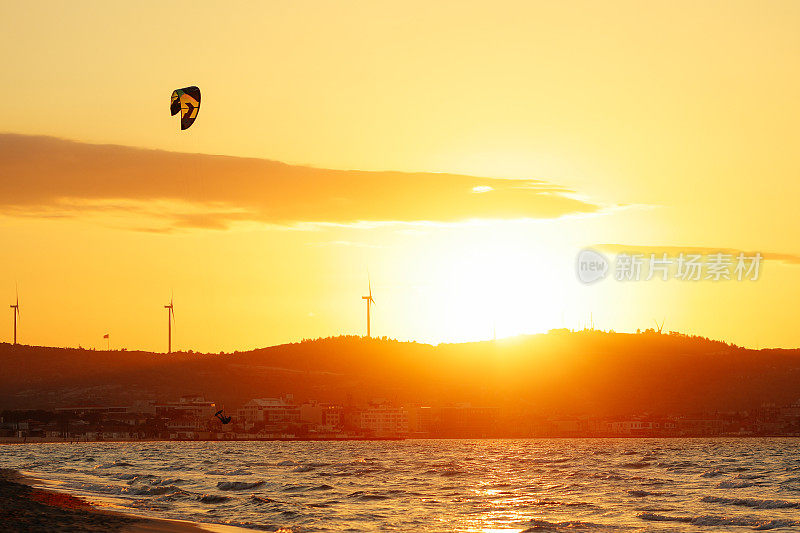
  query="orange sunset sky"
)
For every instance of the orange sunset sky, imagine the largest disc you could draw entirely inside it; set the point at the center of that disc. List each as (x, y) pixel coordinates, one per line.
(462, 153)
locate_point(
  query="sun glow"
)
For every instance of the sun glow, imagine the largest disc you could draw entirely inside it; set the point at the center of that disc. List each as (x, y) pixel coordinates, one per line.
(489, 287)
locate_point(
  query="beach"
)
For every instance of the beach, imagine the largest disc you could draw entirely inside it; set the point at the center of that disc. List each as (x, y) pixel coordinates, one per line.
(24, 507)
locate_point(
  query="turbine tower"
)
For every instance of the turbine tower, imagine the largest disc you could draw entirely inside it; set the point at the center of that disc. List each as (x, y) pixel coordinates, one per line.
(370, 302)
(15, 311)
(170, 320)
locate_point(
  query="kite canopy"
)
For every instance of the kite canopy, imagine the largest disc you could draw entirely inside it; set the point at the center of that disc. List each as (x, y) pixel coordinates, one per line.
(187, 101)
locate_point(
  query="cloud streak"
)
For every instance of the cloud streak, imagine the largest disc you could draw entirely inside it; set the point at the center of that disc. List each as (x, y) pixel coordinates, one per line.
(790, 259)
(49, 177)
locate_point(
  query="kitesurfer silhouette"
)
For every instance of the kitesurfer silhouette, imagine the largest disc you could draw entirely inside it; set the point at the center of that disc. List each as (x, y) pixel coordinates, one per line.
(222, 418)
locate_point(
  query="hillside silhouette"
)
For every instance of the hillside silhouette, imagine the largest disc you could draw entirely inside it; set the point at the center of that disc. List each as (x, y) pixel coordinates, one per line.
(586, 372)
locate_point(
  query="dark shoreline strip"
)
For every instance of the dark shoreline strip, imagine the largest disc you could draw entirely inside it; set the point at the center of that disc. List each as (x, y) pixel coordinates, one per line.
(30, 509)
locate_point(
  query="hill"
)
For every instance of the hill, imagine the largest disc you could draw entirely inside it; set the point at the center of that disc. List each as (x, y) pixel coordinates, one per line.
(587, 372)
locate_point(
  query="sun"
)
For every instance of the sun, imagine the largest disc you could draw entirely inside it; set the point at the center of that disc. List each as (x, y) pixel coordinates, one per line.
(497, 286)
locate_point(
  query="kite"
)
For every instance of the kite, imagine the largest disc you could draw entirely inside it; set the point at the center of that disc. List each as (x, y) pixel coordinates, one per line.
(187, 101)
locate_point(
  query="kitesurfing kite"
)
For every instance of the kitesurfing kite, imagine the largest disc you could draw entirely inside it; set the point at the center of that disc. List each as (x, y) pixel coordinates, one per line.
(187, 101)
(222, 418)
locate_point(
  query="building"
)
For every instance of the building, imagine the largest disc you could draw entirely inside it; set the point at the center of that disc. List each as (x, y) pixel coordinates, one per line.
(464, 420)
(186, 416)
(422, 419)
(189, 407)
(321, 415)
(384, 421)
(85, 411)
(643, 427)
(700, 427)
(268, 411)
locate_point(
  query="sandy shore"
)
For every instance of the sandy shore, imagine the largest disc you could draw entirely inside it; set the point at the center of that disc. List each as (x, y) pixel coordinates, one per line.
(30, 509)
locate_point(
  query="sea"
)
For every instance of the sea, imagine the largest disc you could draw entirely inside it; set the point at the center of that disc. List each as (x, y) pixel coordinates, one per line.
(572, 485)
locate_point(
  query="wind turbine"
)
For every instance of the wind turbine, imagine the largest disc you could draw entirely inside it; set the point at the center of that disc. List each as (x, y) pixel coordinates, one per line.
(170, 320)
(659, 327)
(15, 311)
(370, 301)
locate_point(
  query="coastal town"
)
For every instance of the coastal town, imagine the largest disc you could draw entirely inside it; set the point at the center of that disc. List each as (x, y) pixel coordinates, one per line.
(191, 417)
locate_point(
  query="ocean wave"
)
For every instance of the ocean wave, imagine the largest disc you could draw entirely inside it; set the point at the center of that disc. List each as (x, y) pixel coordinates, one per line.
(731, 484)
(636, 465)
(174, 468)
(753, 503)
(33, 464)
(138, 478)
(151, 491)
(237, 472)
(294, 488)
(556, 461)
(749, 476)
(170, 481)
(238, 485)
(262, 499)
(365, 496)
(571, 525)
(675, 466)
(710, 520)
(212, 498)
(654, 509)
(608, 477)
(643, 493)
(546, 502)
(114, 464)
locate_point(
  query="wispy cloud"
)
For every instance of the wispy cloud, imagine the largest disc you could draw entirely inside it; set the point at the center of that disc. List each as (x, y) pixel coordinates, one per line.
(699, 250)
(48, 177)
(351, 244)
